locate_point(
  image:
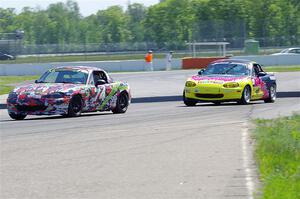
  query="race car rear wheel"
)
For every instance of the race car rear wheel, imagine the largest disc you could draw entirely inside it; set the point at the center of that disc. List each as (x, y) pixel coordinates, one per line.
(187, 101)
(75, 106)
(272, 94)
(17, 116)
(246, 96)
(122, 103)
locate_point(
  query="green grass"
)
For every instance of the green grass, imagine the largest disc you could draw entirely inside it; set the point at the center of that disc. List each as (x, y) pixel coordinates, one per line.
(7, 82)
(282, 68)
(278, 156)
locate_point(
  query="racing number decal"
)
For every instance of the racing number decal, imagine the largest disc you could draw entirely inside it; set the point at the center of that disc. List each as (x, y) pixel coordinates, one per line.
(102, 97)
(95, 96)
(258, 83)
(258, 86)
(110, 91)
(100, 94)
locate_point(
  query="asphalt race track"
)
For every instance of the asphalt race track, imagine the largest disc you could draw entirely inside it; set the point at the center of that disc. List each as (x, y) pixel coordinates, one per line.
(158, 149)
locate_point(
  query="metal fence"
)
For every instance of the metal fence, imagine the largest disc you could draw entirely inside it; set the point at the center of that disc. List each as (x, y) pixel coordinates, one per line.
(18, 48)
(87, 48)
(235, 32)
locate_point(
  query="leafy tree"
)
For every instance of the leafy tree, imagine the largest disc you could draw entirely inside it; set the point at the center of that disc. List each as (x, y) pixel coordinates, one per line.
(169, 23)
(113, 24)
(7, 17)
(136, 14)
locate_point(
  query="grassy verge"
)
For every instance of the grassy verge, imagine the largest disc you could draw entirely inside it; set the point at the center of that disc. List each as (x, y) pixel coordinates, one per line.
(278, 156)
(282, 68)
(7, 82)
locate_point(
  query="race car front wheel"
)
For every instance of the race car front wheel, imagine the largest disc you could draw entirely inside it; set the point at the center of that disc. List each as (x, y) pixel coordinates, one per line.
(122, 103)
(272, 94)
(188, 102)
(246, 96)
(75, 106)
(17, 116)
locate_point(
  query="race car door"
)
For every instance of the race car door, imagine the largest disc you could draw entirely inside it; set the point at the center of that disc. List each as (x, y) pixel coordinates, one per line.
(98, 91)
(258, 83)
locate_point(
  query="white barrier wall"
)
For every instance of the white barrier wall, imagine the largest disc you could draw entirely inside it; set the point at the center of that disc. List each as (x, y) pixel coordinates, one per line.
(135, 65)
(123, 65)
(273, 60)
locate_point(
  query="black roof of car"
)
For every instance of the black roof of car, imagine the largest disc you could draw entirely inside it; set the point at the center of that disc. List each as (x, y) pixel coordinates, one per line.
(88, 68)
(244, 61)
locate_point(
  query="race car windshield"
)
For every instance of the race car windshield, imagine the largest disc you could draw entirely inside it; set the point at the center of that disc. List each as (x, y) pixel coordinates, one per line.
(226, 69)
(64, 76)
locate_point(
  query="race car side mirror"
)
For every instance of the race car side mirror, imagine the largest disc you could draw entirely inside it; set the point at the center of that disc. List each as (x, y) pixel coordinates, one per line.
(100, 82)
(261, 74)
(201, 71)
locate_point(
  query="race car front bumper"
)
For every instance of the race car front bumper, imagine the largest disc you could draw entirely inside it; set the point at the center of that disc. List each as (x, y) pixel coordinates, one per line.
(38, 105)
(213, 93)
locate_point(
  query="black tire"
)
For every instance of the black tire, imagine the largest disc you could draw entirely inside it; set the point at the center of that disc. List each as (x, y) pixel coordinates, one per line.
(17, 116)
(75, 106)
(188, 102)
(246, 96)
(272, 94)
(122, 104)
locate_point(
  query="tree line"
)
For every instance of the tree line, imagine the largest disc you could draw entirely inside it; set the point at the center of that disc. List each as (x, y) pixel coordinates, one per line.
(170, 21)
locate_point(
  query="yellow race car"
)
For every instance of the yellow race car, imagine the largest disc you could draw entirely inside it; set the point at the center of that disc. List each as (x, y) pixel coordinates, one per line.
(230, 80)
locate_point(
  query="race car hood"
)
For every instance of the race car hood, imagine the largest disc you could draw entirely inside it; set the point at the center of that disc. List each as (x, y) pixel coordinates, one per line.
(47, 88)
(220, 79)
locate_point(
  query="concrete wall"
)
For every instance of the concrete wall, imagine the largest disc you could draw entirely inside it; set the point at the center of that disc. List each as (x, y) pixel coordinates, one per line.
(123, 65)
(273, 60)
(135, 65)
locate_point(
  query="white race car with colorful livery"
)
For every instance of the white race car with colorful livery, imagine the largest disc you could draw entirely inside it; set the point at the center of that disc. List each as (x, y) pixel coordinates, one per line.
(69, 91)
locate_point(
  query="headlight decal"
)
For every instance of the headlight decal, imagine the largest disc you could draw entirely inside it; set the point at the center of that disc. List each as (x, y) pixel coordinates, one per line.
(231, 85)
(190, 84)
(55, 95)
(12, 95)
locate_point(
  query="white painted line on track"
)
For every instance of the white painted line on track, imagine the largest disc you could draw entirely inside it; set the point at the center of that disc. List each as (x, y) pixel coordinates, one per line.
(246, 161)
